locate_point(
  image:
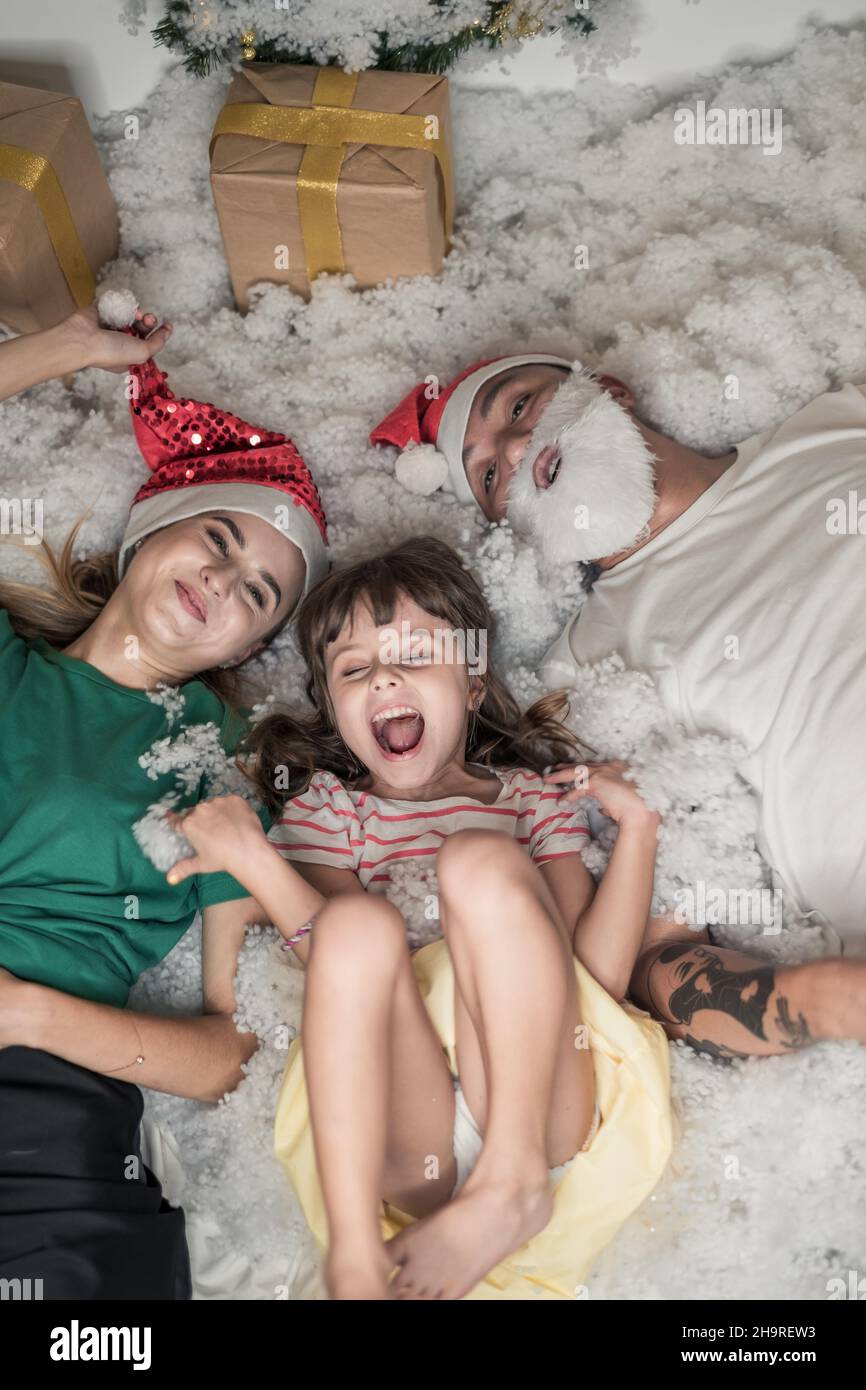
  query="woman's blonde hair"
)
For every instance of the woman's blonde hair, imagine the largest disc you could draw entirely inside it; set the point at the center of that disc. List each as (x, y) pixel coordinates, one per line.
(284, 749)
(79, 591)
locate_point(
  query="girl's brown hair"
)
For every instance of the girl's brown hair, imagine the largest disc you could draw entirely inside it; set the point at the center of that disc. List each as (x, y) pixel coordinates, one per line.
(79, 590)
(284, 749)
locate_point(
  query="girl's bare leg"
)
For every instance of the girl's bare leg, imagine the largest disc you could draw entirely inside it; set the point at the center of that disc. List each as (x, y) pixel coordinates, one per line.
(380, 1092)
(731, 1004)
(528, 1080)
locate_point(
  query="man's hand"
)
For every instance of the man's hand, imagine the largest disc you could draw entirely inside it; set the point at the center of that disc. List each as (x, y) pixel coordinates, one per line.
(91, 345)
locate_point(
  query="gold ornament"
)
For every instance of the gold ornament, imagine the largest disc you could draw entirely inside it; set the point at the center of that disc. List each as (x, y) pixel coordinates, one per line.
(248, 37)
(248, 54)
(498, 27)
(525, 25)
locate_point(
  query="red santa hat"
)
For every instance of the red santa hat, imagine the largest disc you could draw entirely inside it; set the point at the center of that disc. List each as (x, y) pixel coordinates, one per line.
(202, 457)
(430, 428)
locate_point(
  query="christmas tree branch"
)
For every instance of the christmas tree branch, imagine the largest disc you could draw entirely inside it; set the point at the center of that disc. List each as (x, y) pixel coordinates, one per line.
(429, 57)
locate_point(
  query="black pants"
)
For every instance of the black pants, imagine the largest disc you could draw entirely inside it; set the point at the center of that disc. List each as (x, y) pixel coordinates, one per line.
(78, 1208)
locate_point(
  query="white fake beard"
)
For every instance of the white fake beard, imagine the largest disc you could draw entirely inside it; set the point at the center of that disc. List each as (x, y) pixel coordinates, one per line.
(603, 496)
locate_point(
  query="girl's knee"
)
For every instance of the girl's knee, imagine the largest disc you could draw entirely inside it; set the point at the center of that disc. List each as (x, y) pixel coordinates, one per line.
(357, 922)
(475, 858)
(463, 847)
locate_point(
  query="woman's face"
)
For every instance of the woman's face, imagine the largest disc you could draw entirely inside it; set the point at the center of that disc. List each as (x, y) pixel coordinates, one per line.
(205, 591)
(401, 699)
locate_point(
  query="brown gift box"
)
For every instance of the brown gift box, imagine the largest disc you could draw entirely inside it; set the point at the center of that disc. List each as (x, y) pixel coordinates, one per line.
(60, 227)
(391, 203)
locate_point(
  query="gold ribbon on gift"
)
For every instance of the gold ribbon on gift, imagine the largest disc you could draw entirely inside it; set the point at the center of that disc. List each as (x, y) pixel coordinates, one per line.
(326, 128)
(34, 173)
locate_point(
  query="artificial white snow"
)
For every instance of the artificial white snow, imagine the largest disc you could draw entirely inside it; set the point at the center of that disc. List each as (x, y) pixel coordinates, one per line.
(172, 699)
(706, 265)
(194, 754)
(156, 838)
(117, 308)
(709, 815)
(414, 891)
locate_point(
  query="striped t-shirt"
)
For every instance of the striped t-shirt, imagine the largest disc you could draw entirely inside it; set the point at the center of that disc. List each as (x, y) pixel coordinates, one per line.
(335, 825)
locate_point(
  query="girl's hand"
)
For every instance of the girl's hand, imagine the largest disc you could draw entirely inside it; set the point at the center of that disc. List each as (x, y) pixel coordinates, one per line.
(618, 797)
(225, 832)
(112, 349)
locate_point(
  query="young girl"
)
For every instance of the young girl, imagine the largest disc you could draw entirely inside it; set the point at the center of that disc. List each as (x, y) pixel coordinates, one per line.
(486, 1084)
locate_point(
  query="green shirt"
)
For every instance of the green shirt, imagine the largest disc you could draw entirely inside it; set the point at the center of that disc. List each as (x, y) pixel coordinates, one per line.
(81, 907)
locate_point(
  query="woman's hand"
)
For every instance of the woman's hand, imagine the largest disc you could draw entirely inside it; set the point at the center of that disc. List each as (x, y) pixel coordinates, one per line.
(79, 341)
(609, 784)
(111, 348)
(226, 834)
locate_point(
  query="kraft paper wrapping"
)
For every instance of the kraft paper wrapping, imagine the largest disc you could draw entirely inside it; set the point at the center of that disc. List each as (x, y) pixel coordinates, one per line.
(58, 220)
(390, 202)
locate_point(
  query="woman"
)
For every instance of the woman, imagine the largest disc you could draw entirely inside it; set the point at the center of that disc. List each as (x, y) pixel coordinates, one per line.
(222, 541)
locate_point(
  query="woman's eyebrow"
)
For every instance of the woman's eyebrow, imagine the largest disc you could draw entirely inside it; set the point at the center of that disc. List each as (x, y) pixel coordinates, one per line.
(241, 540)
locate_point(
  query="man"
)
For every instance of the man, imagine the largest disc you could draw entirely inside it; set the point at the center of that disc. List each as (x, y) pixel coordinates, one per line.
(737, 584)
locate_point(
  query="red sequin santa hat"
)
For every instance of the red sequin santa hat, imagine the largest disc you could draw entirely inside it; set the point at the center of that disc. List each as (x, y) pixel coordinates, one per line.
(202, 458)
(430, 429)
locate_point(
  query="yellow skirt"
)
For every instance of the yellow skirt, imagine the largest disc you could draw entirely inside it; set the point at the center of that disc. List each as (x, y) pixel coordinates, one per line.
(600, 1189)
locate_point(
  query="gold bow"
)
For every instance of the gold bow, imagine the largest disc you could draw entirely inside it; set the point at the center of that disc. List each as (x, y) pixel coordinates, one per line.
(325, 128)
(34, 173)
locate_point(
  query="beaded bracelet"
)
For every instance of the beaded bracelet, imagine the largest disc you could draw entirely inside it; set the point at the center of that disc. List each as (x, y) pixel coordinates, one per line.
(298, 936)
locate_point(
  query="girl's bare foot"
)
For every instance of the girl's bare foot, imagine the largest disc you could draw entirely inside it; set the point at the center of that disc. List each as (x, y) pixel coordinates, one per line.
(448, 1253)
(358, 1275)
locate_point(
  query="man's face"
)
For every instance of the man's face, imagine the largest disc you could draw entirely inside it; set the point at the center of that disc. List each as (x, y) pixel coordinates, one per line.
(504, 414)
(585, 488)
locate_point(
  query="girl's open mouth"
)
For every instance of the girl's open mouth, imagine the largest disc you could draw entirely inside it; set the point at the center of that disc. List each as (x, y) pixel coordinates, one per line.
(398, 730)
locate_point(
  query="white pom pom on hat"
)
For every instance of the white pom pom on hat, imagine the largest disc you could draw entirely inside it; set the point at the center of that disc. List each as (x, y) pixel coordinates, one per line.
(421, 469)
(117, 308)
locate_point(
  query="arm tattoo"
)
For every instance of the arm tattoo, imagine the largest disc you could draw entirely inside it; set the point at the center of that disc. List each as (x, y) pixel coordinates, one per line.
(707, 983)
(720, 1051)
(798, 1034)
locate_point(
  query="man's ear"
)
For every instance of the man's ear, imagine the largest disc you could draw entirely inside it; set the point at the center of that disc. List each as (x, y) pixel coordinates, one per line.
(621, 393)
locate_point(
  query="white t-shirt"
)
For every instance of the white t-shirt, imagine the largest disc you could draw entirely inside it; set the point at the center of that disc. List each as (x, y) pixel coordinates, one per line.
(749, 612)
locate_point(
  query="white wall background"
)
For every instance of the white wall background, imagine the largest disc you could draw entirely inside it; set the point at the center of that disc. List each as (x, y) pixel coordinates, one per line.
(81, 46)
